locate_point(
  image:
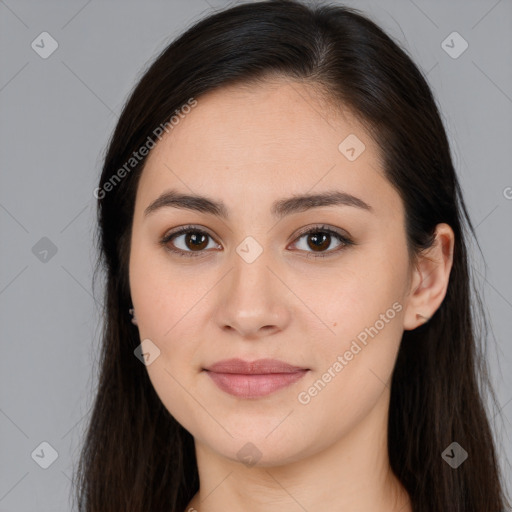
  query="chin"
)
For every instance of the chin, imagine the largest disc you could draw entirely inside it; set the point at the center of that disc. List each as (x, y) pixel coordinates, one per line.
(258, 448)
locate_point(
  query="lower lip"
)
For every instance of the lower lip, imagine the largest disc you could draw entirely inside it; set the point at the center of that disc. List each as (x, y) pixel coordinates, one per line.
(254, 386)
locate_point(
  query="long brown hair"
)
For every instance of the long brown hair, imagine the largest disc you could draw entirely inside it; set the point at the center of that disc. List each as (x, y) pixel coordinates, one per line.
(135, 456)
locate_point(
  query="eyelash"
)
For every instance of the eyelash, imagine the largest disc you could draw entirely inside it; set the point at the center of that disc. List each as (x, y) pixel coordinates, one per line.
(345, 241)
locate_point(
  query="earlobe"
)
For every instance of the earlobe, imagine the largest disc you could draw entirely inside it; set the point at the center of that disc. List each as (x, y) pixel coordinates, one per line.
(430, 279)
(132, 313)
(422, 319)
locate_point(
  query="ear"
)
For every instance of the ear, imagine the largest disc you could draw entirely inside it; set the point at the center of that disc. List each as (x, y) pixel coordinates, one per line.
(430, 279)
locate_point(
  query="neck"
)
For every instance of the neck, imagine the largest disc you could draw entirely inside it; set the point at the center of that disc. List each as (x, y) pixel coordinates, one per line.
(353, 475)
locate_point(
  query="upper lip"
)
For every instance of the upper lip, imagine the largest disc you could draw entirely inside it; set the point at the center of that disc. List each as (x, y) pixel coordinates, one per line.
(257, 367)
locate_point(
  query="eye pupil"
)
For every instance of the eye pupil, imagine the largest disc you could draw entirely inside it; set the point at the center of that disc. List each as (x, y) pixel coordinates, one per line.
(316, 237)
(194, 237)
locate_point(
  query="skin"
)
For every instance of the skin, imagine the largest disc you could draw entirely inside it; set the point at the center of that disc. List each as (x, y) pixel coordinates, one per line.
(249, 147)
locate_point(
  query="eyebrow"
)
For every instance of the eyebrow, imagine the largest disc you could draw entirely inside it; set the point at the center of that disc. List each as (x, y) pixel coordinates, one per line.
(280, 208)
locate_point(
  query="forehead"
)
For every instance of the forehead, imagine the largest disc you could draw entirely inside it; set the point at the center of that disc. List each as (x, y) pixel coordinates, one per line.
(271, 138)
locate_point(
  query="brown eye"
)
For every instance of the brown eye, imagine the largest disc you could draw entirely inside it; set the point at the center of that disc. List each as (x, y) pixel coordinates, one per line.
(196, 240)
(319, 239)
(188, 241)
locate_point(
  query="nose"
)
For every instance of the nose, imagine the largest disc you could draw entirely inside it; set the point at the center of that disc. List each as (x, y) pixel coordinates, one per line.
(253, 300)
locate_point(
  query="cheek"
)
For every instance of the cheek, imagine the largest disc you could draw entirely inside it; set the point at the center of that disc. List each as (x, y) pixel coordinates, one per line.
(354, 369)
(164, 294)
(362, 304)
(166, 303)
(353, 295)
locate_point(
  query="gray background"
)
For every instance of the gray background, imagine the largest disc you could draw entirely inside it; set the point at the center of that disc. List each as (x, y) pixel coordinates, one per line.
(56, 117)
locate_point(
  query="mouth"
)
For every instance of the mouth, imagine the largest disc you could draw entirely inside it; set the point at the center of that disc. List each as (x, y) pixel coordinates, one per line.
(253, 379)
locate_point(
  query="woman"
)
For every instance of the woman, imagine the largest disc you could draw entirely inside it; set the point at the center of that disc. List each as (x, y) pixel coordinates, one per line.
(280, 216)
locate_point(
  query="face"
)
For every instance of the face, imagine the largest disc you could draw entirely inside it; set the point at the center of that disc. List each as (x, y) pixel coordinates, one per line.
(319, 285)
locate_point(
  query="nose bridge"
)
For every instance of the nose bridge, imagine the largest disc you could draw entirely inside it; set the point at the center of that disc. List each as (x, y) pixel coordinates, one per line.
(252, 297)
(251, 275)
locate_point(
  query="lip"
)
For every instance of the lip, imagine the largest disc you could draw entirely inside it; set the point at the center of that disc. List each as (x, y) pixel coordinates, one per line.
(253, 379)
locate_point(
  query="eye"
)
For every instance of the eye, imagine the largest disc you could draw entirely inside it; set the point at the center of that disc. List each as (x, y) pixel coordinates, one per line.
(320, 238)
(187, 241)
